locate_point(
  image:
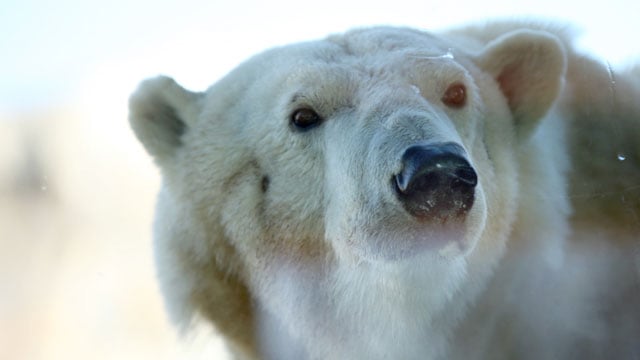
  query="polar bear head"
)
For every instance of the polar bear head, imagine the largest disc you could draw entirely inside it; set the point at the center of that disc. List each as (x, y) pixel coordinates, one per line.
(381, 146)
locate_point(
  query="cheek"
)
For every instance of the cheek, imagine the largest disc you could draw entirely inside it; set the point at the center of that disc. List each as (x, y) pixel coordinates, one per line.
(342, 188)
(294, 198)
(498, 181)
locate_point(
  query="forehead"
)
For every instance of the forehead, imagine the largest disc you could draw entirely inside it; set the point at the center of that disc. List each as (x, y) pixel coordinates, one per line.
(379, 45)
(371, 53)
(388, 40)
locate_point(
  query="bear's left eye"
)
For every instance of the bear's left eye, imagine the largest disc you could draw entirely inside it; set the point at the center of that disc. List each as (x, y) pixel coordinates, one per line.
(455, 96)
(304, 119)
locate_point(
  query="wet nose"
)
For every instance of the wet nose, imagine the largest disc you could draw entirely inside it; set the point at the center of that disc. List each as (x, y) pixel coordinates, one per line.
(436, 182)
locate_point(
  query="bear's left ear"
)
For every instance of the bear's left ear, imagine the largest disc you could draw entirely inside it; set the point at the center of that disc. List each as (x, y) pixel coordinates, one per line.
(529, 67)
(160, 111)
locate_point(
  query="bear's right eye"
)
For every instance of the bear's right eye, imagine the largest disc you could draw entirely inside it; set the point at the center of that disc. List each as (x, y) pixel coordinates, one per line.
(455, 96)
(304, 119)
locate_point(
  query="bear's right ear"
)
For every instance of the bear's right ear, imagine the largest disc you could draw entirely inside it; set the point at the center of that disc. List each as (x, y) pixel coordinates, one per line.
(529, 66)
(160, 111)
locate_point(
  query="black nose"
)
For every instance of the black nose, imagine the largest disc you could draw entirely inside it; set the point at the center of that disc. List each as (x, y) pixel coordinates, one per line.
(436, 181)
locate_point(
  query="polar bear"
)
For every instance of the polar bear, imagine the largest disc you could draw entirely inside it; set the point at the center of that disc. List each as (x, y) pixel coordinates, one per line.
(390, 193)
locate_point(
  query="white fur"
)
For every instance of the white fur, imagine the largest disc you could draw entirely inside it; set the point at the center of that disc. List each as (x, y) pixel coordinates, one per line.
(294, 243)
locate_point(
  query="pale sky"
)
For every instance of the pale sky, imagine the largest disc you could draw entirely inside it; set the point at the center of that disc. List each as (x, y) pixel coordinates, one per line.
(55, 52)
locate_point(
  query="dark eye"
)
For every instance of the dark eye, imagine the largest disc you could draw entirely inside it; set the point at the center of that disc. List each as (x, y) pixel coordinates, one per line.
(305, 119)
(455, 96)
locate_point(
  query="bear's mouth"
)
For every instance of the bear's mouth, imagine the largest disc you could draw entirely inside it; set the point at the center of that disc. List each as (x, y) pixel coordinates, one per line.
(394, 245)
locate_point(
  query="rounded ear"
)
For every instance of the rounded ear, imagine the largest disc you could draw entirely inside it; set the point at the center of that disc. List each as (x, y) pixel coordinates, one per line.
(529, 67)
(160, 111)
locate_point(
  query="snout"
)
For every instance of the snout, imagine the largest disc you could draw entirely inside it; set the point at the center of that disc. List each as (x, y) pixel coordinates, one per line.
(436, 182)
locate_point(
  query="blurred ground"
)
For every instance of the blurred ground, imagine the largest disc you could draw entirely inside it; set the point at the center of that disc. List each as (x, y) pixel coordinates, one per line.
(76, 267)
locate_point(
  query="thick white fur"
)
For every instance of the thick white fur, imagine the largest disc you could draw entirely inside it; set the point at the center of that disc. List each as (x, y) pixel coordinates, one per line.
(294, 245)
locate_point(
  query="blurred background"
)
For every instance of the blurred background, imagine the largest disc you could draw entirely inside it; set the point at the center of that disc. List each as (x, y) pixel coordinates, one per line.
(77, 190)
